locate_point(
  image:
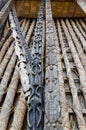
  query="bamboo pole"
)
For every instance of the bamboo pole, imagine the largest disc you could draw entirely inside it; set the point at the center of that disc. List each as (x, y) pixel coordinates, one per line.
(23, 25)
(4, 38)
(82, 24)
(26, 28)
(7, 76)
(6, 60)
(76, 103)
(30, 31)
(5, 47)
(82, 74)
(21, 21)
(5, 11)
(8, 103)
(81, 29)
(19, 114)
(64, 106)
(80, 36)
(78, 45)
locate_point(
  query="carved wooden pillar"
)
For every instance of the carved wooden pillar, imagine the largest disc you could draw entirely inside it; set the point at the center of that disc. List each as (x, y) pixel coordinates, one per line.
(52, 92)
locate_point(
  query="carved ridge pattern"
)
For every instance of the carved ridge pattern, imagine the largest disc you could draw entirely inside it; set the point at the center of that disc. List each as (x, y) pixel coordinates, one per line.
(52, 92)
(24, 43)
(35, 101)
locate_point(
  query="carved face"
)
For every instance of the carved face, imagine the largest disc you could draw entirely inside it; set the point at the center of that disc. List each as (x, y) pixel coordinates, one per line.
(52, 90)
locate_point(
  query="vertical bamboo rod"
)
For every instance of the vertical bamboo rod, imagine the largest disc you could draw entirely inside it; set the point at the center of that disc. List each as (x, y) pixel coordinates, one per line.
(6, 60)
(30, 31)
(5, 47)
(76, 103)
(81, 29)
(19, 113)
(77, 44)
(82, 74)
(7, 76)
(80, 36)
(8, 103)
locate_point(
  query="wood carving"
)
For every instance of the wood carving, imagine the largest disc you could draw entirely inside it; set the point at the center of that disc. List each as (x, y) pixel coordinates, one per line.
(52, 95)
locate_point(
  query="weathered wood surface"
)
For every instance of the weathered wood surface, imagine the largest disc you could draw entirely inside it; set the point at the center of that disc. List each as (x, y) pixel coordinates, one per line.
(76, 103)
(52, 90)
(63, 99)
(70, 121)
(12, 87)
(5, 11)
(80, 68)
(60, 8)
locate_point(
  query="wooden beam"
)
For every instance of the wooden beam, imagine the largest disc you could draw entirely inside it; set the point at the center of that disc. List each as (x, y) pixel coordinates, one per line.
(5, 10)
(82, 4)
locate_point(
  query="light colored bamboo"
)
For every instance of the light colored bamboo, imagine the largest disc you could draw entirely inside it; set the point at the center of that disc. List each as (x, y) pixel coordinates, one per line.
(78, 45)
(81, 29)
(19, 114)
(76, 103)
(80, 36)
(82, 74)
(26, 28)
(64, 106)
(6, 60)
(7, 76)
(23, 25)
(22, 63)
(5, 47)
(82, 24)
(8, 103)
(21, 21)
(30, 31)
(3, 39)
